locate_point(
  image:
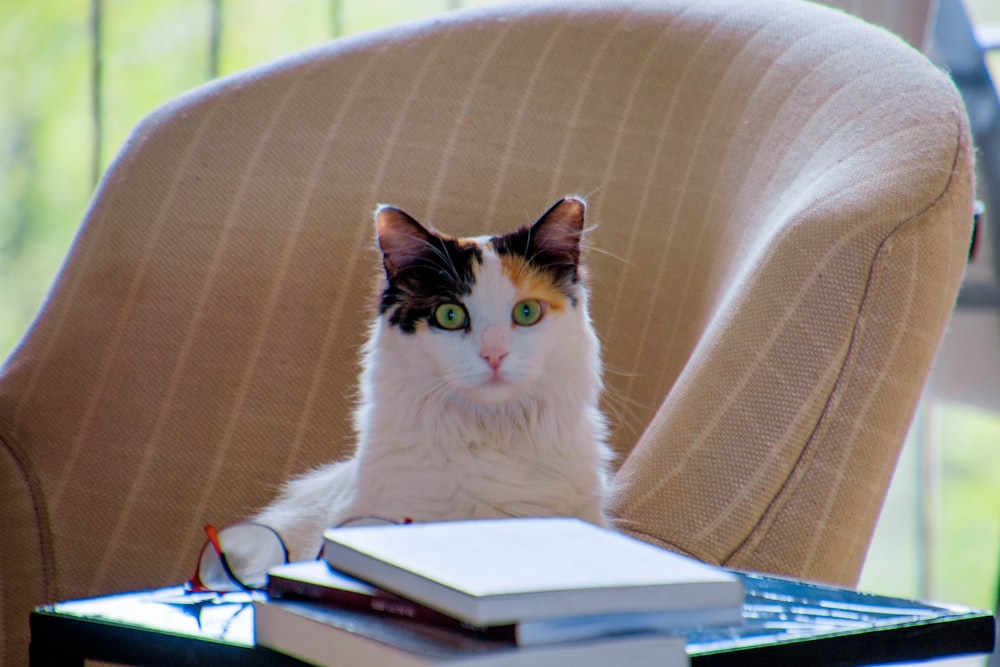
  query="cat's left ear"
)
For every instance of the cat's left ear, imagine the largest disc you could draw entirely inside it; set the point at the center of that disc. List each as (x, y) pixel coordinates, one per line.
(402, 240)
(557, 234)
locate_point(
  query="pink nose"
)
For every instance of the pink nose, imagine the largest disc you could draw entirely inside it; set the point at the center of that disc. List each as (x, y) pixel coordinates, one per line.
(493, 361)
(494, 346)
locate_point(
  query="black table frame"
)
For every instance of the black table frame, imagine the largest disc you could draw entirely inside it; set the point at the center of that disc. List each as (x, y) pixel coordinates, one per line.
(787, 622)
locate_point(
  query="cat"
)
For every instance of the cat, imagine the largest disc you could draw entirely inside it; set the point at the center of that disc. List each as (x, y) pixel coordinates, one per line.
(479, 390)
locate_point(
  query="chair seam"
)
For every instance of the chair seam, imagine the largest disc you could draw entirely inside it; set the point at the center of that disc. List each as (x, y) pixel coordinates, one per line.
(849, 364)
(39, 506)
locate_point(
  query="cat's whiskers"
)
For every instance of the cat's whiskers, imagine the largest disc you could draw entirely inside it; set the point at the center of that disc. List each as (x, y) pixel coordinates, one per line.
(622, 410)
(596, 249)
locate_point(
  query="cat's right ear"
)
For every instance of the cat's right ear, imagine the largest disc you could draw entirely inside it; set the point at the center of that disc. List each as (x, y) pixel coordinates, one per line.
(402, 240)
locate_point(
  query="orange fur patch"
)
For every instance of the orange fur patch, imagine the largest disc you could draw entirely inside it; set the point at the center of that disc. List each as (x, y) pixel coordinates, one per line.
(532, 283)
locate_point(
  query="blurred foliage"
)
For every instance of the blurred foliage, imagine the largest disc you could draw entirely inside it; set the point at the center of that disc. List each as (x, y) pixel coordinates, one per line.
(960, 452)
(965, 557)
(44, 154)
(151, 52)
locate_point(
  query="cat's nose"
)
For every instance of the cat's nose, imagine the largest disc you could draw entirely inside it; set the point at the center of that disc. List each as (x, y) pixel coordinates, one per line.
(494, 346)
(494, 362)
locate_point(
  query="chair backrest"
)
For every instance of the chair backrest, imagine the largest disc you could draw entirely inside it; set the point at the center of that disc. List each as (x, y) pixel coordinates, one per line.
(782, 200)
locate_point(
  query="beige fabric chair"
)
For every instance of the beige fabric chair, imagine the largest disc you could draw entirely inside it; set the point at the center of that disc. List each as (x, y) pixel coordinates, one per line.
(782, 201)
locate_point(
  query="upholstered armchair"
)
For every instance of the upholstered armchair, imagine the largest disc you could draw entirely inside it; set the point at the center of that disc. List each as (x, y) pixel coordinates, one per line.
(781, 198)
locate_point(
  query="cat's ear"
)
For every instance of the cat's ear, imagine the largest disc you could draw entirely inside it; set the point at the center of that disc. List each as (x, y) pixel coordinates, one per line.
(402, 240)
(557, 234)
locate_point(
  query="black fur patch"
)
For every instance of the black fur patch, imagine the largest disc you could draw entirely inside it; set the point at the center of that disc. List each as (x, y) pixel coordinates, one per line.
(551, 245)
(558, 266)
(443, 273)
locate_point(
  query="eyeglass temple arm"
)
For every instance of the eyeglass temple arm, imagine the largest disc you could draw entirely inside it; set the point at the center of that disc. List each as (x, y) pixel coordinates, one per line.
(213, 539)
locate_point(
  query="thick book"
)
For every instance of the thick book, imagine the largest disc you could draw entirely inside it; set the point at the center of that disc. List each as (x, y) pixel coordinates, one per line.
(317, 581)
(502, 571)
(325, 635)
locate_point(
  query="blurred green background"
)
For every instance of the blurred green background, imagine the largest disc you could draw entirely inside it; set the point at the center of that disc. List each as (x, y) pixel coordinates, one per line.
(944, 547)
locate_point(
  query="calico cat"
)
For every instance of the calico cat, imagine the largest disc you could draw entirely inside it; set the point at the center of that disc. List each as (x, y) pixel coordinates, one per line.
(479, 390)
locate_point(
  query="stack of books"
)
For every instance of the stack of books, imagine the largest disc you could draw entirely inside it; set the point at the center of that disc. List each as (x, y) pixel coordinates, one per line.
(492, 592)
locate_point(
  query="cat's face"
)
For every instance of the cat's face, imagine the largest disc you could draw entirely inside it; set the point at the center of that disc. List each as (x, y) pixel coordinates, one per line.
(487, 319)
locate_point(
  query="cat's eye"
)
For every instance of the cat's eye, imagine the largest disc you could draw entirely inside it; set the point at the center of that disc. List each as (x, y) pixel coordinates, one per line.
(450, 316)
(528, 312)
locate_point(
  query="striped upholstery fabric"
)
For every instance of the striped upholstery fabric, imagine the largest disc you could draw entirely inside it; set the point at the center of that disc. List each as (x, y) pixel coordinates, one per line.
(781, 197)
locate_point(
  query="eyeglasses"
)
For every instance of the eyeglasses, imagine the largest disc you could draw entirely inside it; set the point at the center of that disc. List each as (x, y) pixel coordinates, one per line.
(237, 558)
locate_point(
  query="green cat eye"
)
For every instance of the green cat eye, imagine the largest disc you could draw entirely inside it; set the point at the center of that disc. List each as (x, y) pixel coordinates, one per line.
(450, 316)
(528, 312)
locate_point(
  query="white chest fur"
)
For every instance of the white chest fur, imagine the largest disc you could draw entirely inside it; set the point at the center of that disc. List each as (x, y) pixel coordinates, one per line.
(535, 463)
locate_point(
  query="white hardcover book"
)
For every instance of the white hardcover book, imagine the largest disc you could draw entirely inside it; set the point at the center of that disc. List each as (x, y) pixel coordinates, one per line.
(324, 635)
(316, 581)
(499, 571)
